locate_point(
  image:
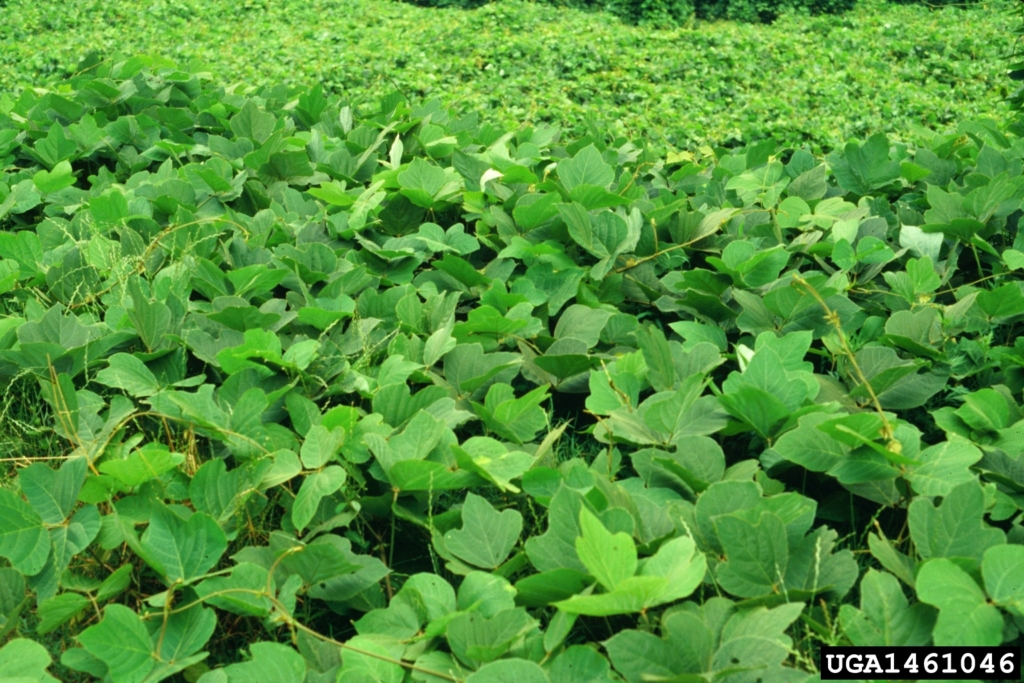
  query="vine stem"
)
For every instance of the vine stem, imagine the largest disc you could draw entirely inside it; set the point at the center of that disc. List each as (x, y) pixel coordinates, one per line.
(140, 264)
(832, 317)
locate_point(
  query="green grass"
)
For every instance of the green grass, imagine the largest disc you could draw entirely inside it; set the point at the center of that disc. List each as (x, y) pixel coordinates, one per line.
(816, 80)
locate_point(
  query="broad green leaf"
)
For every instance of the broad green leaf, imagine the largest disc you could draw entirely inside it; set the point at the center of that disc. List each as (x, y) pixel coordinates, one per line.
(421, 182)
(757, 554)
(518, 670)
(23, 538)
(53, 494)
(985, 411)
(586, 168)
(965, 617)
(468, 369)
(122, 643)
(12, 599)
(863, 168)
(492, 461)
(487, 536)
(642, 656)
(809, 446)
(323, 559)
(59, 610)
(321, 446)
(579, 664)
(183, 635)
(678, 561)
(23, 660)
(474, 637)
(270, 662)
(1003, 570)
(556, 547)
(944, 466)
(242, 592)
(538, 590)
(252, 123)
(885, 617)
(217, 492)
(610, 558)
(115, 584)
(183, 550)
(143, 464)
(314, 488)
(369, 659)
(54, 181)
(127, 372)
(954, 528)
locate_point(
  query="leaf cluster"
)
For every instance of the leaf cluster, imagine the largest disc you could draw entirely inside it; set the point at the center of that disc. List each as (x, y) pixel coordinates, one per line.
(312, 359)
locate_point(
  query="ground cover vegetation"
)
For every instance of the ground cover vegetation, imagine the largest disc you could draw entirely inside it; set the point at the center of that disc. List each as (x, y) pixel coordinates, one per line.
(815, 81)
(380, 391)
(675, 12)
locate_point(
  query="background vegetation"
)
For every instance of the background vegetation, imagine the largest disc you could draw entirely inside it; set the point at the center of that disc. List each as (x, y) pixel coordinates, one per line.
(803, 80)
(333, 382)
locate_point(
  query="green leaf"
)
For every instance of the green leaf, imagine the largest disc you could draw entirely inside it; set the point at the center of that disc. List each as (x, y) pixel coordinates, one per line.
(53, 494)
(809, 446)
(586, 168)
(944, 467)
(1003, 570)
(610, 558)
(321, 446)
(314, 488)
(518, 670)
(127, 372)
(143, 464)
(122, 642)
(323, 559)
(12, 599)
(487, 536)
(681, 564)
(556, 547)
(863, 168)
(370, 659)
(54, 181)
(635, 594)
(183, 635)
(421, 182)
(518, 419)
(242, 592)
(985, 411)
(955, 528)
(474, 637)
(643, 656)
(59, 610)
(23, 660)
(885, 617)
(252, 123)
(757, 554)
(270, 662)
(965, 617)
(115, 584)
(23, 539)
(183, 550)
(468, 369)
(491, 460)
(539, 590)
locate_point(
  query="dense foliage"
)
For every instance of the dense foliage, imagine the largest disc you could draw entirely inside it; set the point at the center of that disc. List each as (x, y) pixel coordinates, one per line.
(385, 393)
(817, 81)
(674, 12)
